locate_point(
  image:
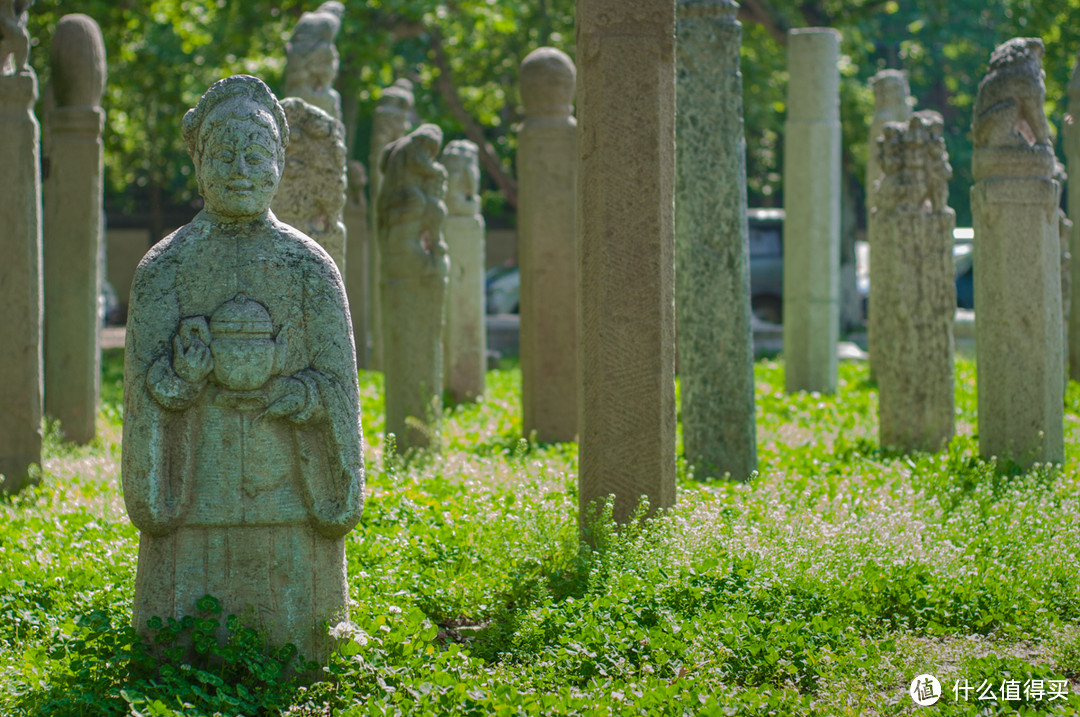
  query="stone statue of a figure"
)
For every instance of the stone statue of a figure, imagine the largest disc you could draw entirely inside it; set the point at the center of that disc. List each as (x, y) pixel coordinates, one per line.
(313, 59)
(242, 452)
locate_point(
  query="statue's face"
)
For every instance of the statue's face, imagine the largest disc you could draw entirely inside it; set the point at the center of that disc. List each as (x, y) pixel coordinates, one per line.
(240, 170)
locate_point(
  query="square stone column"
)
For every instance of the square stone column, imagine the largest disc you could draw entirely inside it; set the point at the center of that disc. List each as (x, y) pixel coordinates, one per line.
(812, 206)
(626, 172)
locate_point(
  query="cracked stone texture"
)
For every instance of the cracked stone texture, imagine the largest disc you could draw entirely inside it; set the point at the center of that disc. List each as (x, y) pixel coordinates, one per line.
(712, 274)
(20, 272)
(547, 246)
(1018, 322)
(311, 196)
(913, 279)
(72, 242)
(812, 206)
(414, 275)
(242, 459)
(626, 218)
(391, 121)
(464, 335)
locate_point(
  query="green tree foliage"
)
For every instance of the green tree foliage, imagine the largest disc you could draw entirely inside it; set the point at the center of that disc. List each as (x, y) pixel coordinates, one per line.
(463, 57)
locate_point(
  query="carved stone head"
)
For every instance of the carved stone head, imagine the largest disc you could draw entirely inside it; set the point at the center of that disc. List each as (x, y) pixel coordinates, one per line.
(460, 158)
(236, 137)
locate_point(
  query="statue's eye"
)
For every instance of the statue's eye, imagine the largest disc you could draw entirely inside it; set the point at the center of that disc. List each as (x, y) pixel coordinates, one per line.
(255, 157)
(224, 155)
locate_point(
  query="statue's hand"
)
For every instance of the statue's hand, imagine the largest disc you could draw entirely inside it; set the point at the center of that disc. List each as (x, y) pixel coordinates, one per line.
(292, 400)
(191, 354)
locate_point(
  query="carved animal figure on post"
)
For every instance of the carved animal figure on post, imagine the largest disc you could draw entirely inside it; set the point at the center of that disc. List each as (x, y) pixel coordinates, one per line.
(1009, 105)
(14, 39)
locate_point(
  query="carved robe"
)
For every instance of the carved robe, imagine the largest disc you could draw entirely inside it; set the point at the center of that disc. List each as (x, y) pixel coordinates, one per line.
(248, 508)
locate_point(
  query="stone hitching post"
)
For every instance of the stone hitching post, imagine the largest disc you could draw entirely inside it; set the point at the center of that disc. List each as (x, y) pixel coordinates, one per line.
(72, 228)
(242, 451)
(712, 275)
(812, 203)
(391, 122)
(912, 278)
(313, 60)
(356, 271)
(465, 335)
(547, 246)
(20, 245)
(626, 218)
(414, 276)
(311, 196)
(1017, 262)
(1071, 132)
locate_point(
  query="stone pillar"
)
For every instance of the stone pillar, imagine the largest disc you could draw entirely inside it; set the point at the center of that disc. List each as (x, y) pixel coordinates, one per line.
(391, 122)
(913, 279)
(812, 206)
(1071, 131)
(311, 196)
(712, 274)
(72, 228)
(1017, 262)
(356, 271)
(626, 191)
(892, 103)
(20, 271)
(414, 272)
(547, 246)
(465, 335)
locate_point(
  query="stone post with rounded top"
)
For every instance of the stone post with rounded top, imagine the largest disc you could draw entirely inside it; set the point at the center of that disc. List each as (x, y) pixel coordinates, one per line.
(626, 217)
(72, 228)
(547, 246)
(1071, 132)
(812, 206)
(1017, 262)
(464, 335)
(712, 273)
(20, 271)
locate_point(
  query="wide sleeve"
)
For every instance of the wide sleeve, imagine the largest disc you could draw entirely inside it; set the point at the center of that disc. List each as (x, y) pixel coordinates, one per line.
(334, 486)
(156, 449)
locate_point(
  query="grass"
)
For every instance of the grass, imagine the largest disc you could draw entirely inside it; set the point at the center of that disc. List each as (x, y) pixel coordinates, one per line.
(822, 587)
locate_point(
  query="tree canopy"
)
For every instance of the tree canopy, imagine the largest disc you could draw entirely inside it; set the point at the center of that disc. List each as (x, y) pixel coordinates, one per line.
(463, 57)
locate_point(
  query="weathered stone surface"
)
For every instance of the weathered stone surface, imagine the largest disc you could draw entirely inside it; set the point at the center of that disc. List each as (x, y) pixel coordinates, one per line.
(20, 245)
(356, 271)
(712, 274)
(72, 246)
(391, 121)
(1017, 262)
(912, 278)
(812, 205)
(311, 196)
(464, 335)
(626, 191)
(242, 451)
(547, 246)
(312, 58)
(1071, 132)
(414, 275)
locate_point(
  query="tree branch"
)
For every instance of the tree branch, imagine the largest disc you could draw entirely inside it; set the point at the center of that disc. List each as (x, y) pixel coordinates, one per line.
(763, 13)
(445, 84)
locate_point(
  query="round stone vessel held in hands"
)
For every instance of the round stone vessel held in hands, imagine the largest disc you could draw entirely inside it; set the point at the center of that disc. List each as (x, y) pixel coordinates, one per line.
(242, 452)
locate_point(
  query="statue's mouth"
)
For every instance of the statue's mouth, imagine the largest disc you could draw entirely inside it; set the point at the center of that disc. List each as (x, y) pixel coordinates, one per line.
(241, 187)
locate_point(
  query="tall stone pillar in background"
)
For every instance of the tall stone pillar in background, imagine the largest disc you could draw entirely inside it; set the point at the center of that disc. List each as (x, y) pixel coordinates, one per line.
(626, 191)
(413, 285)
(812, 206)
(20, 270)
(913, 279)
(712, 275)
(391, 122)
(1072, 159)
(311, 196)
(356, 271)
(1017, 262)
(892, 103)
(464, 335)
(72, 228)
(547, 246)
